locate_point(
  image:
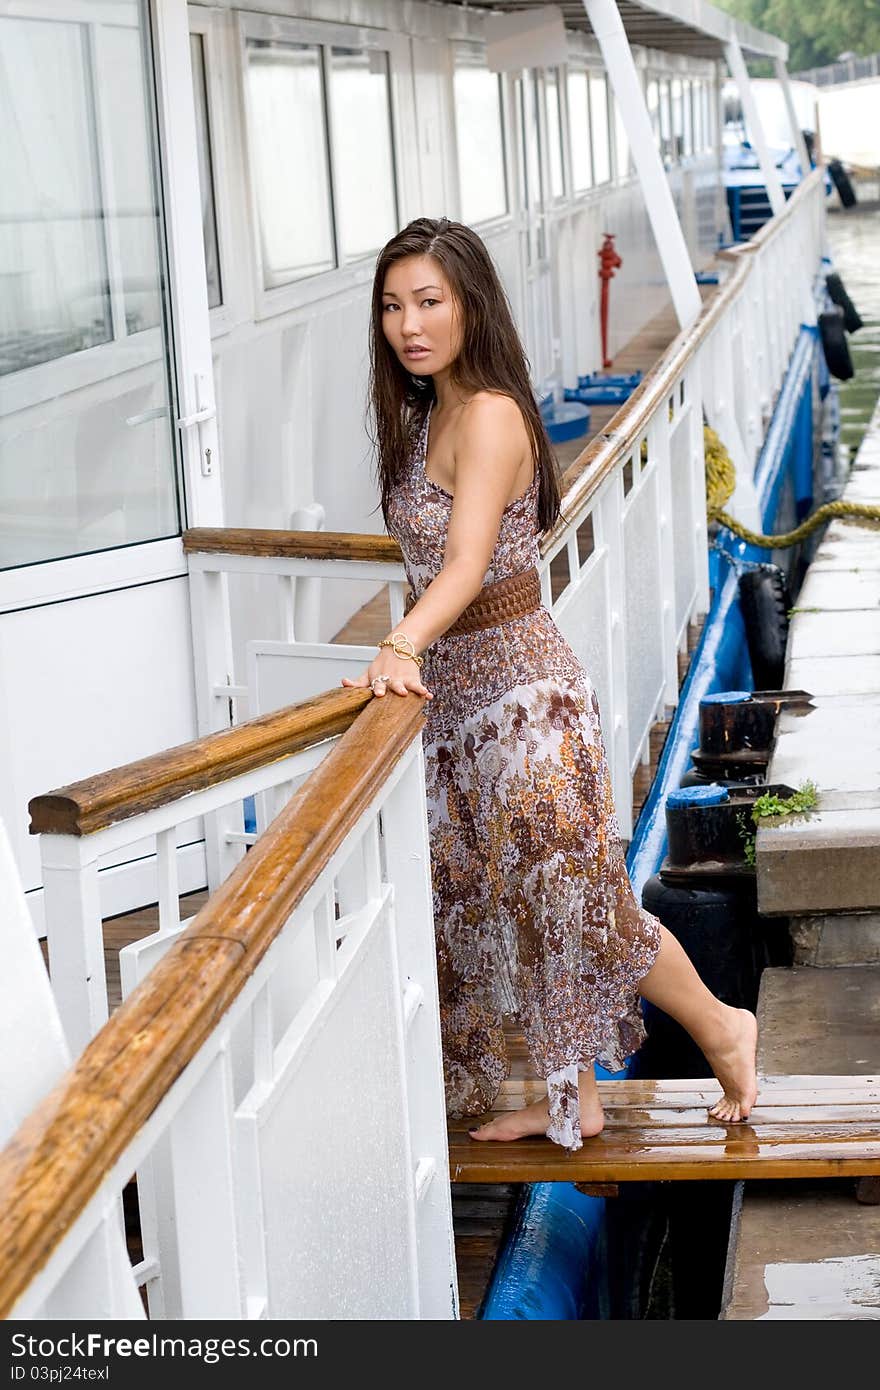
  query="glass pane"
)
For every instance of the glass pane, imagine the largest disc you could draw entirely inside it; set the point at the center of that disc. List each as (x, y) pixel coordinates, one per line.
(53, 250)
(206, 173)
(363, 161)
(88, 458)
(653, 101)
(479, 132)
(665, 123)
(532, 170)
(554, 135)
(579, 130)
(621, 142)
(709, 114)
(599, 126)
(688, 118)
(288, 150)
(677, 118)
(132, 226)
(698, 116)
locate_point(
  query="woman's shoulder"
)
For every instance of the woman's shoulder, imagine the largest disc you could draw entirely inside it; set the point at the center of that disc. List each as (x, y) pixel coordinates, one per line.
(493, 411)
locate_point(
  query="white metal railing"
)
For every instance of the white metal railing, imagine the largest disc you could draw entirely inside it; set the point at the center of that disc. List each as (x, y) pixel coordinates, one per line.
(627, 571)
(72, 866)
(280, 1077)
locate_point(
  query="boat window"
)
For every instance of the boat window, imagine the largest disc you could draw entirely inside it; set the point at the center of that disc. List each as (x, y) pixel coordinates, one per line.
(622, 151)
(709, 115)
(652, 97)
(599, 127)
(83, 315)
(554, 134)
(362, 154)
(677, 104)
(289, 158)
(53, 241)
(206, 172)
(687, 110)
(480, 137)
(697, 103)
(665, 122)
(579, 129)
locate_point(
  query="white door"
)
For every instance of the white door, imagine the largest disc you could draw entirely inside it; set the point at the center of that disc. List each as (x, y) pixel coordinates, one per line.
(104, 362)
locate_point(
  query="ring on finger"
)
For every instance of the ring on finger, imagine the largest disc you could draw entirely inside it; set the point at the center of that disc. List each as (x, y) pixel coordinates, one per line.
(378, 680)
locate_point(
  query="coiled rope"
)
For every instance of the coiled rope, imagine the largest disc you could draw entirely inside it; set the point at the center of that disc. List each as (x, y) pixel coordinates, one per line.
(721, 481)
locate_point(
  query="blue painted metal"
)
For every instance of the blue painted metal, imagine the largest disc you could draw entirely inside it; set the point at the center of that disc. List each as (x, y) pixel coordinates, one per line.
(596, 388)
(704, 794)
(727, 697)
(553, 1266)
(563, 421)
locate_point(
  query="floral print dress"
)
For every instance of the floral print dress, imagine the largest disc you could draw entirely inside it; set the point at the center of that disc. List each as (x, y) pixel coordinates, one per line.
(534, 912)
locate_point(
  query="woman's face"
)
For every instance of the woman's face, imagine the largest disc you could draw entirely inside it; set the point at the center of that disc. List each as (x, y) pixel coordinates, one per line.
(419, 316)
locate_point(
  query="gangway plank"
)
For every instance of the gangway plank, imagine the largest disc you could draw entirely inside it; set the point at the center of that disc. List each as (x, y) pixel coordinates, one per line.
(658, 1131)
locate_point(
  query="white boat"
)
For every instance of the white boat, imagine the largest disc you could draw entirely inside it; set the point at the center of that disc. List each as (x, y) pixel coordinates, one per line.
(192, 203)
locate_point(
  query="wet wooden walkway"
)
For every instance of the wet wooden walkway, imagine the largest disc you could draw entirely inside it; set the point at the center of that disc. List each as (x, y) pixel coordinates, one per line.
(657, 1131)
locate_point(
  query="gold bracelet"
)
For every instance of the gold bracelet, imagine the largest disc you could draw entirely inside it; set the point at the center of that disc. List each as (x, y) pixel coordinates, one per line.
(401, 645)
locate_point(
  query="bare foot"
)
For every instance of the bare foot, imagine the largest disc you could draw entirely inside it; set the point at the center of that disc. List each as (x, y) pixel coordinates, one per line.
(733, 1062)
(535, 1119)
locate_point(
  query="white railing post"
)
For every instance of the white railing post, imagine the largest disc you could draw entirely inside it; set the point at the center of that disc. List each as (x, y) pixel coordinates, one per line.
(658, 450)
(214, 673)
(697, 473)
(608, 514)
(74, 931)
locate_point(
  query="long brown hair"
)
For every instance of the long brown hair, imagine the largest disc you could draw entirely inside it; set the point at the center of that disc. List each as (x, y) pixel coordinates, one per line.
(491, 357)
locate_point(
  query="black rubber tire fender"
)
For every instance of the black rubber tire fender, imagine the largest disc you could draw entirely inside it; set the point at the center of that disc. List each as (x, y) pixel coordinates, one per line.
(842, 182)
(834, 344)
(765, 600)
(852, 319)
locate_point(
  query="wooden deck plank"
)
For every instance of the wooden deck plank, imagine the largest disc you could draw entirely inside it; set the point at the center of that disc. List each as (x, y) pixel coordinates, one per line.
(658, 1131)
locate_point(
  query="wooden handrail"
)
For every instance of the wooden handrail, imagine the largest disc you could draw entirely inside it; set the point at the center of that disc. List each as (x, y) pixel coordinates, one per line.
(99, 801)
(57, 1159)
(291, 545)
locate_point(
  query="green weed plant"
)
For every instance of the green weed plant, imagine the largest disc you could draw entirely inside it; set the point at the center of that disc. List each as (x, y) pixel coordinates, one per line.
(806, 798)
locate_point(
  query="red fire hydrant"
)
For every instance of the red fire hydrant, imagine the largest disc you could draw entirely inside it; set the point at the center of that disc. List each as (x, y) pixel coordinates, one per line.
(609, 261)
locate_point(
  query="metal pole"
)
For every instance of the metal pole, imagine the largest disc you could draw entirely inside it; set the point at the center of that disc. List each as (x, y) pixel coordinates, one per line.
(797, 134)
(740, 75)
(617, 57)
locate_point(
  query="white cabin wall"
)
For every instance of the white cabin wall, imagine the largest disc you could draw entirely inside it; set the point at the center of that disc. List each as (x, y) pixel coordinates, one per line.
(127, 651)
(291, 381)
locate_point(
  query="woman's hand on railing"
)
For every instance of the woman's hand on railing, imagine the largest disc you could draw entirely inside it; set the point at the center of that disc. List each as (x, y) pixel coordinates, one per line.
(389, 672)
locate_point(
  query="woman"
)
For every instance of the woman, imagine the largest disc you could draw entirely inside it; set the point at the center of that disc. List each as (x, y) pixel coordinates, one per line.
(534, 911)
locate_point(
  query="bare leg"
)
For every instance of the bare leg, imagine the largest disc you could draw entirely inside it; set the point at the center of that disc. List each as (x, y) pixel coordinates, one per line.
(534, 1119)
(728, 1037)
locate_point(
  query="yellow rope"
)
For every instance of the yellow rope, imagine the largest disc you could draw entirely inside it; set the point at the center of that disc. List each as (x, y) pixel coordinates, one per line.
(721, 481)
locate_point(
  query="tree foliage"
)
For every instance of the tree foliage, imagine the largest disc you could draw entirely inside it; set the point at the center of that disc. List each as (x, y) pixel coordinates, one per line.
(816, 31)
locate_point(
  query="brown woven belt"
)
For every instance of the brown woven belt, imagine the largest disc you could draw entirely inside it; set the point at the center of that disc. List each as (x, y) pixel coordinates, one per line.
(510, 598)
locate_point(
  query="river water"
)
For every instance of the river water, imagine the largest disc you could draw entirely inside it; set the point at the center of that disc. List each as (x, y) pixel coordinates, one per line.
(854, 238)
